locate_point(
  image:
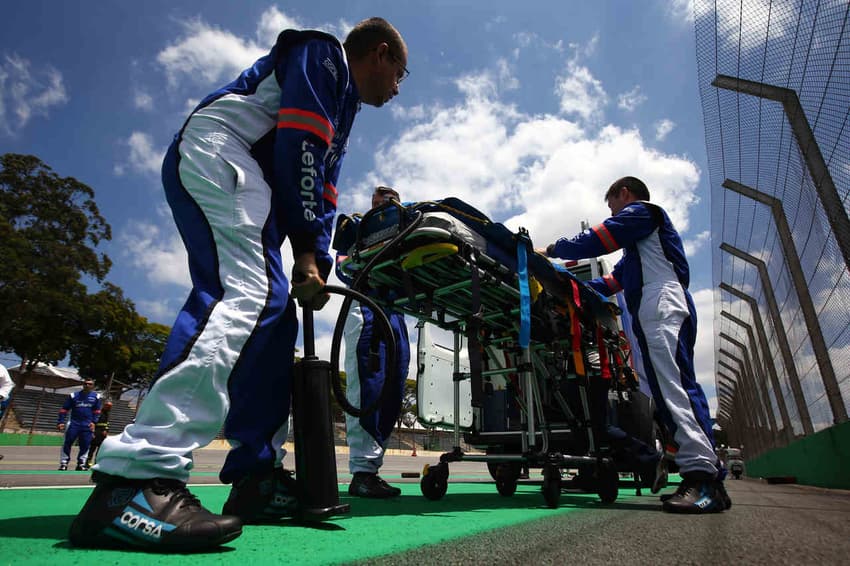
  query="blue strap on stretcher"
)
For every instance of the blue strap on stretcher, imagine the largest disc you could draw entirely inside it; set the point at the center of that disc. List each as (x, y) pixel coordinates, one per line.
(524, 295)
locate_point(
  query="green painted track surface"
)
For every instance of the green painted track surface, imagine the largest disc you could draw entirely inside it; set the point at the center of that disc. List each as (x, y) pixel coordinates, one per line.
(34, 524)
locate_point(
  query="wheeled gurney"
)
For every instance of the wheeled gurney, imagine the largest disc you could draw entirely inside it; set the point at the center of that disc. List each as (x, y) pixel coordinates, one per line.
(545, 351)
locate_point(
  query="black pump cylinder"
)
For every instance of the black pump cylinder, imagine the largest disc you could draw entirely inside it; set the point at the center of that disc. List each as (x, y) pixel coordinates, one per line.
(315, 457)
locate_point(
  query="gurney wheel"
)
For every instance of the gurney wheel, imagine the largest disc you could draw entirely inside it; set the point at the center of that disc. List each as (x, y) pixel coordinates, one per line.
(608, 483)
(435, 481)
(551, 485)
(506, 475)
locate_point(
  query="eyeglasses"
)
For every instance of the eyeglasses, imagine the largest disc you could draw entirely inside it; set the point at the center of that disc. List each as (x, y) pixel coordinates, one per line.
(404, 72)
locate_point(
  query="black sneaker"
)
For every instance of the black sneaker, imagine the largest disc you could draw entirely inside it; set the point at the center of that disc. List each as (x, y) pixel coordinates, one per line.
(697, 494)
(263, 497)
(365, 484)
(81, 468)
(63, 467)
(156, 514)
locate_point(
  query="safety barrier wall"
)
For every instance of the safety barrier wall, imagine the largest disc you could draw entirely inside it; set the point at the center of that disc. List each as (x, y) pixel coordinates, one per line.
(822, 459)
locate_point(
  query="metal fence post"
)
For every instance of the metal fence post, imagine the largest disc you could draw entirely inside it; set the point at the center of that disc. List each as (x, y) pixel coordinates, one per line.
(792, 260)
(781, 337)
(766, 363)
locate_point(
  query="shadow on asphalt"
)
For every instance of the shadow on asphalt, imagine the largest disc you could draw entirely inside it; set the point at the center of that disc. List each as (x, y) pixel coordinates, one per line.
(463, 502)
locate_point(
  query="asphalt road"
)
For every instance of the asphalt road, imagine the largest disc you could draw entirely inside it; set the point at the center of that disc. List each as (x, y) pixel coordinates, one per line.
(768, 524)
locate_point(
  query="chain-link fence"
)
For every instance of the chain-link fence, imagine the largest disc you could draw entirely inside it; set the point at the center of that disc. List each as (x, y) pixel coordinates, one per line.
(775, 89)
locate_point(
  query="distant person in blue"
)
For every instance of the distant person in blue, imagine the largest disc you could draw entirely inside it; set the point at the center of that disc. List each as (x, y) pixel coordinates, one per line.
(84, 409)
(6, 386)
(366, 371)
(255, 165)
(654, 276)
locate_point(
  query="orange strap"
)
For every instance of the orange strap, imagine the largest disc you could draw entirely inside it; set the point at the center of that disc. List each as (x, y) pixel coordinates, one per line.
(575, 328)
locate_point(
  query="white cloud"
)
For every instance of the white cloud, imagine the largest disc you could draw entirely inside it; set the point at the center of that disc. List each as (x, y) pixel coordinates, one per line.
(207, 55)
(157, 311)
(143, 157)
(733, 32)
(272, 22)
(24, 94)
(580, 93)
(630, 100)
(401, 112)
(695, 244)
(704, 347)
(143, 101)
(543, 172)
(158, 254)
(681, 11)
(507, 79)
(663, 128)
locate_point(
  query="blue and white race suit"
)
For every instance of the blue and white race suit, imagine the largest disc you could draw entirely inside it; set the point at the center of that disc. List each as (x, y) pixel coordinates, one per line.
(256, 162)
(84, 409)
(366, 371)
(654, 276)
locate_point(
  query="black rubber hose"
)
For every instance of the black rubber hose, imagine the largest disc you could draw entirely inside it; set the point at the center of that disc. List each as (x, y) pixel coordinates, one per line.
(356, 292)
(389, 339)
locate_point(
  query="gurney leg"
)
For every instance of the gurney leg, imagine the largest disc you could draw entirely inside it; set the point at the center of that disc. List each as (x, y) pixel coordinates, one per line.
(528, 386)
(456, 381)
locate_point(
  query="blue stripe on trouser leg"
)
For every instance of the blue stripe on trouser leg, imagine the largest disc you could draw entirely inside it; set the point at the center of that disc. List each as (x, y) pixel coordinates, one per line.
(367, 437)
(260, 392)
(666, 330)
(221, 205)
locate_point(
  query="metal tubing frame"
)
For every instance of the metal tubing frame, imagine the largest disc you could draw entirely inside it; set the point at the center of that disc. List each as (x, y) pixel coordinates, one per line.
(760, 421)
(757, 386)
(745, 400)
(809, 150)
(738, 425)
(766, 363)
(779, 327)
(804, 297)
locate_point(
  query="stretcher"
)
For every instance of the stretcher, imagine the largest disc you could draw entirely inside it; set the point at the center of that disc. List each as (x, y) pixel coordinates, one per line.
(537, 354)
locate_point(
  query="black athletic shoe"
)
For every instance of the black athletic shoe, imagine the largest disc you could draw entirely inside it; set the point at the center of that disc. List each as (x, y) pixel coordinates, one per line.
(63, 467)
(81, 468)
(721, 493)
(263, 497)
(697, 494)
(156, 514)
(372, 486)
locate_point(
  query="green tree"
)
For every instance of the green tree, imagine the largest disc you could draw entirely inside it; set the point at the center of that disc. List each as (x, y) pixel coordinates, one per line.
(146, 352)
(115, 345)
(49, 229)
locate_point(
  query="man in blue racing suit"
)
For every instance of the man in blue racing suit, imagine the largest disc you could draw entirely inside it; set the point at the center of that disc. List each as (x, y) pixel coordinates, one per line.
(366, 371)
(255, 163)
(83, 407)
(654, 276)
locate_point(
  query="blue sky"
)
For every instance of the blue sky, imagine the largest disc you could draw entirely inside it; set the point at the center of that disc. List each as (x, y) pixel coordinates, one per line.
(527, 110)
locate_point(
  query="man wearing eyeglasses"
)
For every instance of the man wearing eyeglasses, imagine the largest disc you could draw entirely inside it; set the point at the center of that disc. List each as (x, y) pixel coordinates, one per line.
(256, 163)
(366, 372)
